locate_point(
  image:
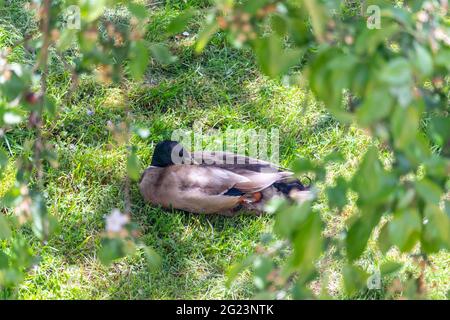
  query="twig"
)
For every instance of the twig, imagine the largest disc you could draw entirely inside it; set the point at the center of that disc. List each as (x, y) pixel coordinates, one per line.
(37, 115)
(25, 39)
(127, 192)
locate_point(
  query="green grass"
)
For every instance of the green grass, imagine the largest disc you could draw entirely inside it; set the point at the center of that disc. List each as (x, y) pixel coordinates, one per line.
(219, 89)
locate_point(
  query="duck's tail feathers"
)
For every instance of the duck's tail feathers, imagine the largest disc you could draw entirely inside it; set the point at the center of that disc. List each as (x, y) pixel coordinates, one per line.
(287, 187)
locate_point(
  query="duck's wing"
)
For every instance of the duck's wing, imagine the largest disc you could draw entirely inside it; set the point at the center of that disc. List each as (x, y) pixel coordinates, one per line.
(258, 181)
(177, 179)
(260, 174)
(233, 162)
(215, 180)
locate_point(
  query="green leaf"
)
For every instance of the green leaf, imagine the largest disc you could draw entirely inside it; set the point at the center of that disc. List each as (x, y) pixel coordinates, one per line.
(153, 259)
(138, 10)
(372, 183)
(253, 6)
(334, 156)
(205, 35)
(443, 57)
(272, 58)
(360, 231)
(404, 126)
(21, 255)
(404, 95)
(341, 69)
(360, 78)
(40, 224)
(428, 191)
(162, 54)
(376, 106)
(51, 156)
(133, 166)
(238, 268)
(318, 17)
(422, 60)
(329, 74)
(92, 10)
(355, 279)
(4, 260)
(262, 266)
(401, 15)
(397, 72)
(3, 161)
(384, 243)
(279, 24)
(436, 230)
(390, 267)
(110, 250)
(14, 86)
(9, 278)
(139, 59)
(405, 198)
(447, 208)
(307, 244)
(50, 106)
(300, 31)
(289, 219)
(5, 231)
(439, 129)
(301, 292)
(337, 195)
(419, 150)
(319, 72)
(303, 165)
(179, 24)
(370, 39)
(405, 229)
(66, 39)
(437, 167)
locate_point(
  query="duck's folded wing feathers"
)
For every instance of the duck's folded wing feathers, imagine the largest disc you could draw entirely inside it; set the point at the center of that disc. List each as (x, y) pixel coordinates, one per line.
(210, 180)
(232, 161)
(216, 180)
(258, 181)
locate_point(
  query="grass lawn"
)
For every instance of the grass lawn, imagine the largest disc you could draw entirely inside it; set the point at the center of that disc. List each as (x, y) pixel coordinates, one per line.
(219, 89)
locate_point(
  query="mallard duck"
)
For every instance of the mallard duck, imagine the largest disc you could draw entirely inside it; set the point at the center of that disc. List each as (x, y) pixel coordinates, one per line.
(214, 181)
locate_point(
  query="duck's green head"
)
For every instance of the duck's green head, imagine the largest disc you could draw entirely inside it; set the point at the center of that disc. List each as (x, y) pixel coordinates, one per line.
(168, 153)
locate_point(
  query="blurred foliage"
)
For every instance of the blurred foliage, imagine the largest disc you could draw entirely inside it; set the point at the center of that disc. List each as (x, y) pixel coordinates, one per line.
(391, 81)
(112, 50)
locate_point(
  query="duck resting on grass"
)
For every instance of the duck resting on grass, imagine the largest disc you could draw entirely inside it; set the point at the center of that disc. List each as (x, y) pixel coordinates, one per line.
(214, 181)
